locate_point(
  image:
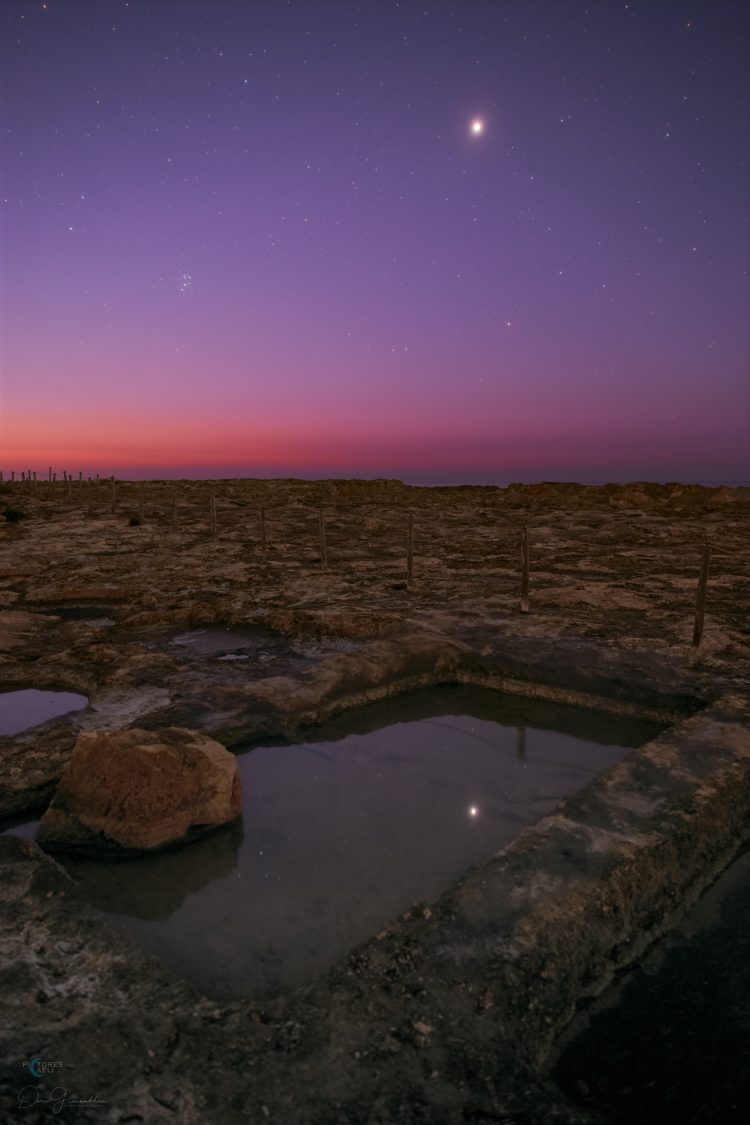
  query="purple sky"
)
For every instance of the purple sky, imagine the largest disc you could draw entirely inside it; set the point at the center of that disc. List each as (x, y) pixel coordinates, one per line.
(263, 238)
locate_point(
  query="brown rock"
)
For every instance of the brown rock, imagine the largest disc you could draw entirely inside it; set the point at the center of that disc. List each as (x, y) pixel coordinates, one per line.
(133, 790)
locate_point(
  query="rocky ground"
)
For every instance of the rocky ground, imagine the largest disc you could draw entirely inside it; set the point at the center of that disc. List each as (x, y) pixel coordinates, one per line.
(91, 600)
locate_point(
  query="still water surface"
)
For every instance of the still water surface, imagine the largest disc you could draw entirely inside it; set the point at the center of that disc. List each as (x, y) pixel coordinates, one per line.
(27, 708)
(378, 809)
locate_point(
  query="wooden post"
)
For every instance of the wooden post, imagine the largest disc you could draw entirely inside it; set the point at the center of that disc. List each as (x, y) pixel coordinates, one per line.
(12, 476)
(700, 601)
(141, 505)
(49, 475)
(114, 495)
(91, 497)
(174, 508)
(263, 530)
(524, 571)
(323, 545)
(213, 513)
(68, 486)
(410, 551)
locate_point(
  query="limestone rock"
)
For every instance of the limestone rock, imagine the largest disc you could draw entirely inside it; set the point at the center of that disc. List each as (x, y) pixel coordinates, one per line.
(140, 790)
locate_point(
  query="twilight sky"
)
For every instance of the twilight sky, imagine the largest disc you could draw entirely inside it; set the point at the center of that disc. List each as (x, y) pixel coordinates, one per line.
(265, 237)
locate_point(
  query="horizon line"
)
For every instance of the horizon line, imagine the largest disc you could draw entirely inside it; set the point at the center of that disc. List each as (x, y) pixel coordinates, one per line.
(195, 474)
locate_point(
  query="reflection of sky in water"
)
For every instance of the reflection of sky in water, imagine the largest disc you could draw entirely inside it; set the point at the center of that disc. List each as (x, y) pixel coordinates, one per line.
(21, 710)
(340, 836)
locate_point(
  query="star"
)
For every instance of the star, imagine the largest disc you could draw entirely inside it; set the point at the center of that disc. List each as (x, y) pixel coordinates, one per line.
(477, 127)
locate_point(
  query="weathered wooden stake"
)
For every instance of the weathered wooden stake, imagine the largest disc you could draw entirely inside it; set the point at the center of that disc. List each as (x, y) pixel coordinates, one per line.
(91, 497)
(263, 530)
(114, 495)
(410, 551)
(174, 508)
(69, 486)
(49, 474)
(323, 544)
(141, 505)
(13, 476)
(524, 571)
(700, 601)
(213, 514)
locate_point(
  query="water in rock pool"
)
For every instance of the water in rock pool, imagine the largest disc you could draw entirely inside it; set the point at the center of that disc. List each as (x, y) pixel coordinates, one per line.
(380, 808)
(27, 708)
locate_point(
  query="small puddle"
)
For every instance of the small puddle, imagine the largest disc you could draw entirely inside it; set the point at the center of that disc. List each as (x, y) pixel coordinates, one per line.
(94, 615)
(262, 646)
(215, 642)
(22, 710)
(382, 807)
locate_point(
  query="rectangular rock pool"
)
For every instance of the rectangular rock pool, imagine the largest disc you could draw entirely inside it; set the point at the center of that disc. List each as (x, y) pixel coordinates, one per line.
(342, 831)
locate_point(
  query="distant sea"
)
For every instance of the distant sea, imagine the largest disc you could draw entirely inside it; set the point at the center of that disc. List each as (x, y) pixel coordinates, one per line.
(573, 480)
(220, 473)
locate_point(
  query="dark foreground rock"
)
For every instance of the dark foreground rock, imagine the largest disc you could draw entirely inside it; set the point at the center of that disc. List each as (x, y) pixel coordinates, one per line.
(138, 790)
(77, 992)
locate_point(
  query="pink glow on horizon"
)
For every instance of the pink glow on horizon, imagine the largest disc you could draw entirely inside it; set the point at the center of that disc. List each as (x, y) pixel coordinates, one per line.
(102, 449)
(256, 259)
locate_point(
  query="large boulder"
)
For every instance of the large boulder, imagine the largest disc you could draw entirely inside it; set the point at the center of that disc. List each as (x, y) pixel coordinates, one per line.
(141, 790)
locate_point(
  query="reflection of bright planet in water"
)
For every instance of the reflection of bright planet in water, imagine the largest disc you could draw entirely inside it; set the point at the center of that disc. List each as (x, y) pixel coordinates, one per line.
(477, 126)
(378, 811)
